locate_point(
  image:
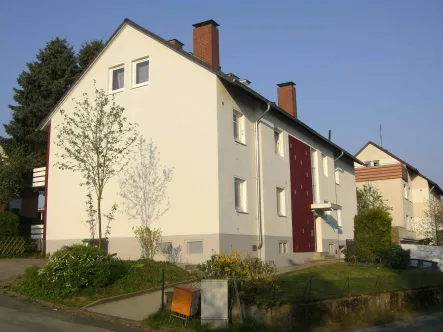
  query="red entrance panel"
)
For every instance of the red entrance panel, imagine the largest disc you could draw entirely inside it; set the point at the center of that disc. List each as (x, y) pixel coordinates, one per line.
(303, 239)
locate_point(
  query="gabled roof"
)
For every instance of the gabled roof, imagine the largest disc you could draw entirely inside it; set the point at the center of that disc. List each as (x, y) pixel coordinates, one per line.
(227, 78)
(409, 166)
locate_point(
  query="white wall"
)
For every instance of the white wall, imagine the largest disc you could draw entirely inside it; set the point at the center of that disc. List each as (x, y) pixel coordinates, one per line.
(177, 109)
(239, 160)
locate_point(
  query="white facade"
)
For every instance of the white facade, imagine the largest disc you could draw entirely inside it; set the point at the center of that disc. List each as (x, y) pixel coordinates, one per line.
(187, 110)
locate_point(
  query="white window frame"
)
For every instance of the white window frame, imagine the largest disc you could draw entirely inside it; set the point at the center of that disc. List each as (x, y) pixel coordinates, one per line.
(324, 160)
(337, 176)
(111, 78)
(278, 143)
(339, 221)
(283, 247)
(314, 174)
(134, 72)
(194, 253)
(281, 201)
(241, 204)
(240, 127)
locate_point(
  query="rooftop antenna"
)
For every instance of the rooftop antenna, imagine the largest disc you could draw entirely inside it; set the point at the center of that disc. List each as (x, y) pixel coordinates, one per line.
(381, 135)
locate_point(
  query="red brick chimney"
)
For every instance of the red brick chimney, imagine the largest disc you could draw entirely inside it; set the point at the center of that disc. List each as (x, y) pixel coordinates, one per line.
(286, 98)
(206, 42)
(176, 43)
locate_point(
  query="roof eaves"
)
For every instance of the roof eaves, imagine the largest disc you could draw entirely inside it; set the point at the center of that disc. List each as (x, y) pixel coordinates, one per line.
(203, 64)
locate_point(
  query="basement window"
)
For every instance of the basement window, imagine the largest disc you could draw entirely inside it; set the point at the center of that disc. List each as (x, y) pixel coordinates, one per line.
(283, 247)
(195, 247)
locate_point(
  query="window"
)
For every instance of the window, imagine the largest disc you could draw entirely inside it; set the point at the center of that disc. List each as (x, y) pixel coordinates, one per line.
(283, 247)
(376, 163)
(278, 142)
(325, 164)
(412, 223)
(339, 218)
(331, 249)
(315, 193)
(195, 247)
(407, 222)
(240, 195)
(409, 194)
(239, 133)
(140, 72)
(405, 191)
(426, 264)
(337, 176)
(367, 163)
(281, 202)
(166, 247)
(117, 78)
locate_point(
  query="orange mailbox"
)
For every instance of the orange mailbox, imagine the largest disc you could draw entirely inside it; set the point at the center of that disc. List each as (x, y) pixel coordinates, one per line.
(185, 300)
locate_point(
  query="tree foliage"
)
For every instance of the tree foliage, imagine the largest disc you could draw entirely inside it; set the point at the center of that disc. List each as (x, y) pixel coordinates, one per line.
(95, 140)
(372, 234)
(369, 197)
(88, 52)
(40, 87)
(150, 241)
(430, 225)
(9, 224)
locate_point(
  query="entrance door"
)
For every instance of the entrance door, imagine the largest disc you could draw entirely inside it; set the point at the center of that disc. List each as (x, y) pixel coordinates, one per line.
(303, 234)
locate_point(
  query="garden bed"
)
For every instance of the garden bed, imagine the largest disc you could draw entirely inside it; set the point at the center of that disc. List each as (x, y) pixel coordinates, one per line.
(126, 277)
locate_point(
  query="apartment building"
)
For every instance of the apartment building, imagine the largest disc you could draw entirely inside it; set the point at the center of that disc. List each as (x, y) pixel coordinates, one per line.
(247, 173)
(403, 187)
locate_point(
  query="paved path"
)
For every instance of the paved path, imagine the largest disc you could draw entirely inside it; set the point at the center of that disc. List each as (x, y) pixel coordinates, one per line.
(426, 323)
(16, 316)
(14, 267)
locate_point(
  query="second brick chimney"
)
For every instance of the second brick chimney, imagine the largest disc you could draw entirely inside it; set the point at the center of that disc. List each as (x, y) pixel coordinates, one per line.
(286, 98)
(206, 46)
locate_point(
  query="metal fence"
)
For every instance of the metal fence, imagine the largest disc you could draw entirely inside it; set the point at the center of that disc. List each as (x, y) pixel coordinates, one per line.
(20, 246)
(314, 289)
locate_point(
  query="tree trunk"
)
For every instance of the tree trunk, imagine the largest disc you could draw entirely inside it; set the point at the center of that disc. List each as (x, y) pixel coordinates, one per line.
(99, 219)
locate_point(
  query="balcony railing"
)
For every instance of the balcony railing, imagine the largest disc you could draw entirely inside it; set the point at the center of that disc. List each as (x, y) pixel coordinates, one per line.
(38, 177)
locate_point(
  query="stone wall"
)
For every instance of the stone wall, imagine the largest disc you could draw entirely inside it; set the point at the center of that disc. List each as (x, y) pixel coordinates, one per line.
(434, 253)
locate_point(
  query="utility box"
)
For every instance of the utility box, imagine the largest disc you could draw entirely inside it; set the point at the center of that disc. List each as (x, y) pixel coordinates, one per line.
(185, 301)
(214, 303)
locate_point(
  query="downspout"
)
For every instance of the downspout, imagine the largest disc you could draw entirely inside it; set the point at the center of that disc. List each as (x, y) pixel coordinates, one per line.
(258, 177)
(336, 202)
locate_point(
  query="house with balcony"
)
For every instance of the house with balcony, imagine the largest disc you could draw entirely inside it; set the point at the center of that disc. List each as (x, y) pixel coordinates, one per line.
(248, 174)
(403, 187)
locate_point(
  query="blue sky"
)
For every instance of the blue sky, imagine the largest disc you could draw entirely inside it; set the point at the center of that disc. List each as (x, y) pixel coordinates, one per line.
(356, 63)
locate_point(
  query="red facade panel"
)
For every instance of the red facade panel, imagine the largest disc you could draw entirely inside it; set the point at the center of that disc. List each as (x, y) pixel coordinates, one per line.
(303, 238)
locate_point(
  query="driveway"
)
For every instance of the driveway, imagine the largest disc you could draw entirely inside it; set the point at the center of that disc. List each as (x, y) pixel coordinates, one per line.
(16, 316)
(12, 268)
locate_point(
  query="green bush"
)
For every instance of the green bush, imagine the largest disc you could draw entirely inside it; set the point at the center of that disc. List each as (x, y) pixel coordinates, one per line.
(68, 271)
(256, 277)
(397, 257)
(372, 233)
(9, 224)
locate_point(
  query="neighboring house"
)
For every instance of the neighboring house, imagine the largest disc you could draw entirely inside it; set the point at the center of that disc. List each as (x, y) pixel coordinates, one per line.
(280, 193)
(403, 187)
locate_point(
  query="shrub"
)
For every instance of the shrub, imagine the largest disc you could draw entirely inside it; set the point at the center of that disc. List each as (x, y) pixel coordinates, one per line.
(397, 257)
(9, 224)
(150, 240)
(69, 270)
(255, 276)
(372, 233)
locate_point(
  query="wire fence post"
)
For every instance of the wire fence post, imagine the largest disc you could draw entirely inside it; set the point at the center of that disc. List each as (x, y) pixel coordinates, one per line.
(238, 299)
(163, 288)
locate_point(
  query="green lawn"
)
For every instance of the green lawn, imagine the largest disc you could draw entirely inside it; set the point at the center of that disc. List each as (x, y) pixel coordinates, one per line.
(127, 277)
(338, 280)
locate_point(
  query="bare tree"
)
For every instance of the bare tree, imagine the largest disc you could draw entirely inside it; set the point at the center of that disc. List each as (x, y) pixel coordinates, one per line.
(144, 184)
(369, 197)
(143, 187)
(431, 223)
(95, 139)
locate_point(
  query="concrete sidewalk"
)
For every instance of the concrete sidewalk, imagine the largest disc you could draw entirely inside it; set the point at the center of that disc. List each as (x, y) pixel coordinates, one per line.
(137, 307)
(11, 268)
